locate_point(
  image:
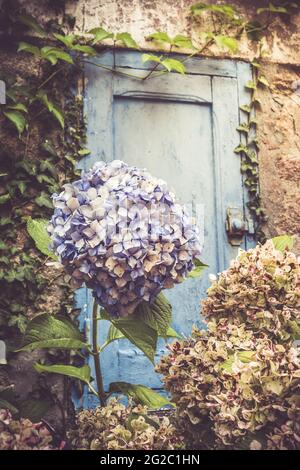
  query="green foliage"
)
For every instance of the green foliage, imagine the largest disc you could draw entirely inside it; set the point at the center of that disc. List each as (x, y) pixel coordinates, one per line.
(177, 41)
(81, 373)
(18, 119)
(236, 384)
(47, 331)
(198, 269)
(37, 229)
(283, 242)
(140, 394)
(168, 64)
(51, 54)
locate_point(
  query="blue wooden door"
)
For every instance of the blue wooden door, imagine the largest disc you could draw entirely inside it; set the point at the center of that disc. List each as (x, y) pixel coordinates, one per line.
(183, 130)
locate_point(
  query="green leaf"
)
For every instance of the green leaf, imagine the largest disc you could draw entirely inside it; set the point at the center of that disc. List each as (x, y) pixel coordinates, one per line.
(272, 9)
(82, 373)
(52, 108)
(83, 152)
(115, 334)
(226, 42)
(224, 10)
(66, 40)
(32, 24)
(84, 49)
(26, 47)
(38, 232)
(140, 394)
(157, 315)
(17, 119)
(139, 333)
(198, 270)
(4, 198)
(250, 85)
(246, 108)
(151, 58)
(53, 54)
(100, 34)
(283, 243)
(8, 406)
(47, 331)
(261, 79)
(19, 107)
(183, 41)
(243, 356)
(161, 37)
(173, 64)
(43, 200)
(127, 40)
(34, 410)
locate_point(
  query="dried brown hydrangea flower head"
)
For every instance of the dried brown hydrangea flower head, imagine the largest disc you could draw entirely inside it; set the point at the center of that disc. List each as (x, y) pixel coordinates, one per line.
(23, 434)
(236, 384)
(118, 427)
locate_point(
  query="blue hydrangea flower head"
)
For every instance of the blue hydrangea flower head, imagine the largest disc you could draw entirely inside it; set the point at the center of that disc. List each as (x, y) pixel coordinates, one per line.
(120, 231)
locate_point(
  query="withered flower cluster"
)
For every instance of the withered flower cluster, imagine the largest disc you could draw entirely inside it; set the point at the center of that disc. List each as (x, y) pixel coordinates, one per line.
(236, 384)
(22, 434)
(118, 427)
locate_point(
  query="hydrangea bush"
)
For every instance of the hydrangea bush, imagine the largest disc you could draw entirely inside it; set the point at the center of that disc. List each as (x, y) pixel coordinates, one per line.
(23, 434)
(236, 384)
(118, 427)
(120, 231)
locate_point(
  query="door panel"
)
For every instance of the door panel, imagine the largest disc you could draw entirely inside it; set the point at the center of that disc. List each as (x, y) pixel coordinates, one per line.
(182, 129)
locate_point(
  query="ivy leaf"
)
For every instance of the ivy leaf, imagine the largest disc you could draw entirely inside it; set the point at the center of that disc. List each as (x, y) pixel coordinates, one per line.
(32, 24)
(250, 85)
(84, 49)
(157, 315)
(8, 406)
(100, 34)
(140, 394)
(283, 243)
(151, 58)
(53, 54)
(26, 47)
(18, 107)
(139, 333)
(43, 200)
(173, 64)
(66, 40)
(82, 373)
(183, 41)
(4, 198)
(261, 79)
(52, 108)
(198, 270)
(225, 10)
(38, 232)
(246, 108)
(46, 331)
(226, 42)
(17, 119)
(161, 37)
(244, 127)
(127, 40)
(272, 9)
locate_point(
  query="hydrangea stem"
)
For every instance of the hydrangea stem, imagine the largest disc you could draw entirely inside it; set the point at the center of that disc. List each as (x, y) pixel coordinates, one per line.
(96, 355)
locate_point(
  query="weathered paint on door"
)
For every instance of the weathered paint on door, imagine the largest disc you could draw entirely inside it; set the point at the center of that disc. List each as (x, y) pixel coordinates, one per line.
(182, 129)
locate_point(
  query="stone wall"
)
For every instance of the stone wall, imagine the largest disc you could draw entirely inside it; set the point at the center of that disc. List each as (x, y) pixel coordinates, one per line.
(278, 121)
